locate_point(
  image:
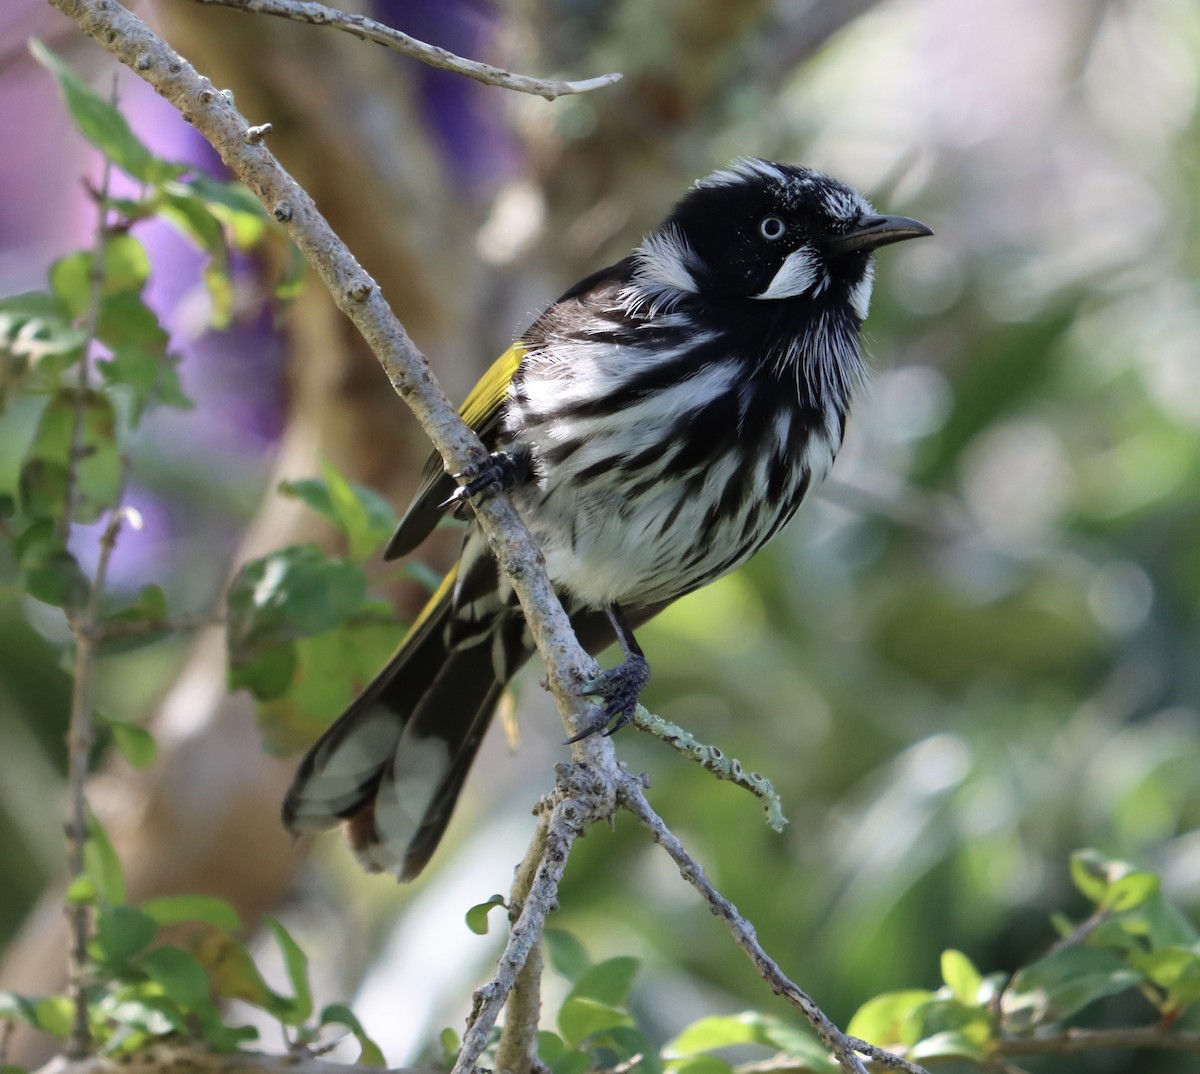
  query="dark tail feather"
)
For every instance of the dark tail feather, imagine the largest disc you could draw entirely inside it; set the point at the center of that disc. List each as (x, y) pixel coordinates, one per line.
(392, 765)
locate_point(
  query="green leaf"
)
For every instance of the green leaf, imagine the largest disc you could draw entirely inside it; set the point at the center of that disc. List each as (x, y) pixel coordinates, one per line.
(362, 514)
(566, 953)
(715, 1032)
(296, 961)
(750, 1027)
(296, 592)
(266, 675)
(890, 1018)
(961, 976)
(948, 1045)
(135, 744)
(555, 1054)
(580, 1017)
(701, 1064)
(607, 982)
(18, 1008)
(55, 1015)
(124, 270)
(122, 931)
(176, 909)
(81, 892)
(477, 916)
(1054, 988)
(102, 865)
(1130, 891)
(180, 975)
(49, 572)
(1176, 970)
(370, 1053)
(101, 124)
(98, 467)
(628, 1042)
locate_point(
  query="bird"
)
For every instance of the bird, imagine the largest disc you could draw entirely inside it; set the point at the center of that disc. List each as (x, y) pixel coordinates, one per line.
(655, 427)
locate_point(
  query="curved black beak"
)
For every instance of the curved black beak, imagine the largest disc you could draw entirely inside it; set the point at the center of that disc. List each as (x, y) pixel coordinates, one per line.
(871, 232)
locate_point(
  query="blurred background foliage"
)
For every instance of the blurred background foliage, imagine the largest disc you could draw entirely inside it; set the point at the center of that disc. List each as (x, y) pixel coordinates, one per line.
(974, 651)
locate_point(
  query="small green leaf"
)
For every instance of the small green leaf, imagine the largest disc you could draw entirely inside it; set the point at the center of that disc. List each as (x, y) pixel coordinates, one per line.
(1130, 891)
(580, 1017)
(452, 1044)
(101, 124)
(102, 864)
(477, 916)
(180, 975)
(122, 931)
(567, 955)
(18, 1008)
(81, 892)
(135, 744)
(55, 1015)
(49, 572)
(362, 514)
(98, 462)
(266, 675)
(701, 1064)
(1176, 970)
(296, 961)
(715, 1032)
(607, 982)
(948, 1045)
(370, 1053)
(296, 592)
(961, 976)
(890, 1018)
(555, 1054)
(1054, 988)
(176, 909)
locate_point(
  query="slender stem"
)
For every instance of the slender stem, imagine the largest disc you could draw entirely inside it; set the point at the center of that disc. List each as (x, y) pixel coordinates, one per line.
(843, 1048)
(577, 792)
(370, 30)
(81, 732)
(518, 1036)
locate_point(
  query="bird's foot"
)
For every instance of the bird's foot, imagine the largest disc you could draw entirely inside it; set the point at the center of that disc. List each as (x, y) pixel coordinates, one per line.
(619, 688)
(500, 472)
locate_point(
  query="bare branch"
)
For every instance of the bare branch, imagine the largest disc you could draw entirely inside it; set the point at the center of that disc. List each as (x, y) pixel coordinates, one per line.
(744, 935)
(81, 733)
(581, 799)
(370, 30)
(1075, 1041)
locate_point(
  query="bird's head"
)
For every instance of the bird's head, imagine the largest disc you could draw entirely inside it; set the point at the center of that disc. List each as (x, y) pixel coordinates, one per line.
(771, 232)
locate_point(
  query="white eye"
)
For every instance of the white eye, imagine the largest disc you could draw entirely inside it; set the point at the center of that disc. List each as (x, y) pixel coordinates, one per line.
(772, 228)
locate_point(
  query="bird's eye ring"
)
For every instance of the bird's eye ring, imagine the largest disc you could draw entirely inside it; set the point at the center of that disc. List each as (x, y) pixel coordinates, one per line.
(772, 228)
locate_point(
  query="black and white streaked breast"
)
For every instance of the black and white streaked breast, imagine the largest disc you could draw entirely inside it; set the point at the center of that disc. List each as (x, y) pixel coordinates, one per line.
(675, 419)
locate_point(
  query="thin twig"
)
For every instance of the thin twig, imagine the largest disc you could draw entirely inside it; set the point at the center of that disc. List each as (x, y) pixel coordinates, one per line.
(1075, 1041)
(81, 732)
(115, 629)
(714, 760)
(843, 1048)
(382, 34)
(518, 1036)
(578, 793)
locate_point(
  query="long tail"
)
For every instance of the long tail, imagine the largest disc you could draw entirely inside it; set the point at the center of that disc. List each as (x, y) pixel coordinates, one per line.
(392, 765)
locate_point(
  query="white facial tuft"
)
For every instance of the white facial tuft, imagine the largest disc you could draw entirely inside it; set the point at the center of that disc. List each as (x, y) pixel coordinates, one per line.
(801, 271)
(663, 261)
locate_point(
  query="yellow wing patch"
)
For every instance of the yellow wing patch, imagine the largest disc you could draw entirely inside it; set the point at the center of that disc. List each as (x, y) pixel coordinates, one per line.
(487, 397)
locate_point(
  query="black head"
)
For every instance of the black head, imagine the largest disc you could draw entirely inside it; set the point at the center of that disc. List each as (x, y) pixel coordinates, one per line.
(759, 230)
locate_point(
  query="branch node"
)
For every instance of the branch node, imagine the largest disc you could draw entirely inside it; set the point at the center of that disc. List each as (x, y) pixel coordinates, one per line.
(361, 289)
(283, 211)
(255, 135)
